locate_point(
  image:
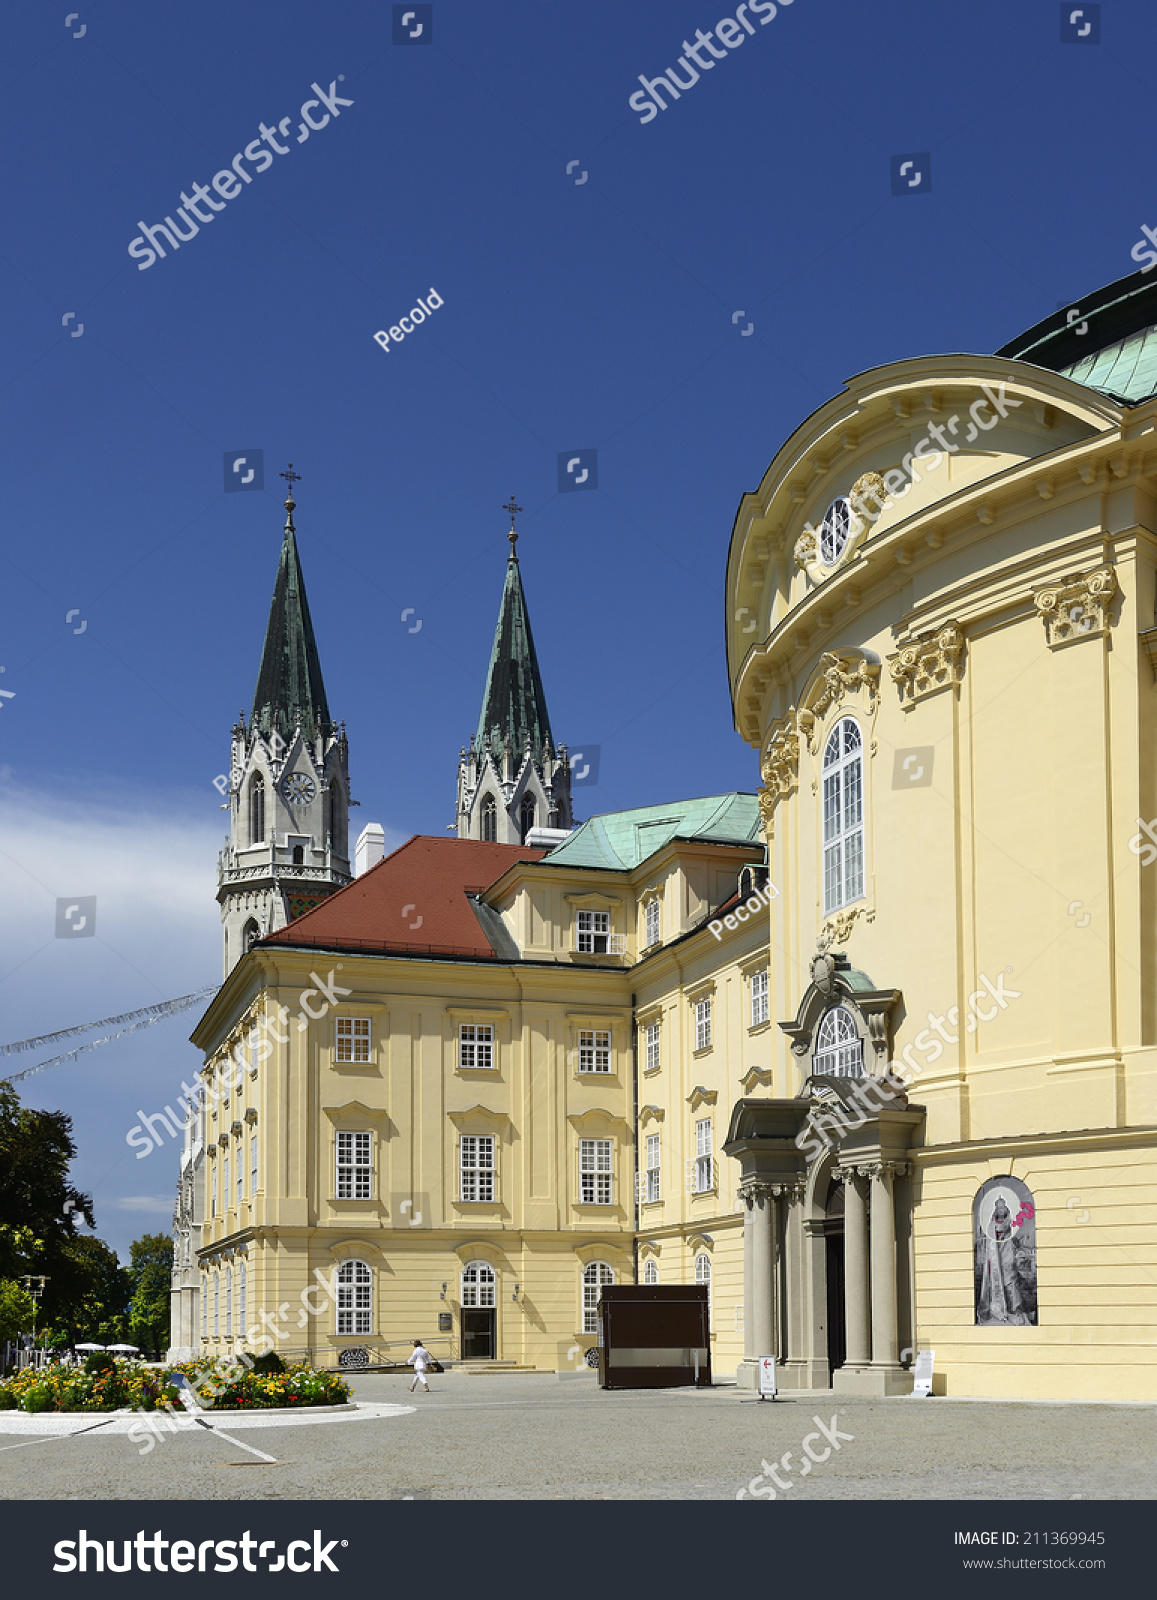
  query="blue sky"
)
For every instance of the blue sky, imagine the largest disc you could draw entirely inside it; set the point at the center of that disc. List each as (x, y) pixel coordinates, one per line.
(577, 315)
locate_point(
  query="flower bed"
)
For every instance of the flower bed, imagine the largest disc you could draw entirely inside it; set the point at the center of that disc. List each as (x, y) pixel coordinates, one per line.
(222, 1386)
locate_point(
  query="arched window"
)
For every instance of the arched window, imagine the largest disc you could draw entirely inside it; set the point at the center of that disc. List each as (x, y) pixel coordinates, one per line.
(650, 1273)
(257, 810)
(526, 816)
(355, 1298)
(244, 1287)
(298, 855)
(216, 1305)
(249, 935)
(839, 1050)
(703, 1278)
(489, 819)
(478, 1285)
(843, 775)
(596, 1277)
(228, 1302)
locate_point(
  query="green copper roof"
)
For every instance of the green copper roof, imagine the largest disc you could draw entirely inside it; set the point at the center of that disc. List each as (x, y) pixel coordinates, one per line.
(1107, 340)
(620, 840)
(289, 681)
(1126, 369)
(514, 704)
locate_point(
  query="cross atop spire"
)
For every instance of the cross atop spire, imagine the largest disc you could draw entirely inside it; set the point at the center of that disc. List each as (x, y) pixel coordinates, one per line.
(512, 536)
(291, 478)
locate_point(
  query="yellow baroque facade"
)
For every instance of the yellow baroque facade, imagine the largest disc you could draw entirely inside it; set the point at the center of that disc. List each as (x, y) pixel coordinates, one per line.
(941, 609)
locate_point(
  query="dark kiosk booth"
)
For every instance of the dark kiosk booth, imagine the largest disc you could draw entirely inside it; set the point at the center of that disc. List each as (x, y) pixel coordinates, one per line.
(654, 1336)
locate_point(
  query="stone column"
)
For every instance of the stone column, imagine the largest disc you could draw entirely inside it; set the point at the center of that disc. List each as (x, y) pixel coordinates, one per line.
(855, 1269)
(748, 1257)
(760, 1296)
(885, 1344)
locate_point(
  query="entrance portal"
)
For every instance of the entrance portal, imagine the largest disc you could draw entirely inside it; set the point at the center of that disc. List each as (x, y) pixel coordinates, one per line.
(834, 1255)
(478, 1333)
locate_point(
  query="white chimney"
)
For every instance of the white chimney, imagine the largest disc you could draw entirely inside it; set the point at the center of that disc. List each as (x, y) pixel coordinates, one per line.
(370, 848)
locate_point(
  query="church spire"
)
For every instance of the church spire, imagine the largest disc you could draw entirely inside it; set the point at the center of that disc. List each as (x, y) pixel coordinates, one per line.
(289, 683)
(514, 702)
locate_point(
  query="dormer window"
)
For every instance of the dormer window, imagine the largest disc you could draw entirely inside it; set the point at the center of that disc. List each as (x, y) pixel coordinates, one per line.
(654, 913)
(594, 932)
(834, 530)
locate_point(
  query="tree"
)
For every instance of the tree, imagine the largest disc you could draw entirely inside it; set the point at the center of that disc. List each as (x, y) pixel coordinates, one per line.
(152, 1275)
(100, 1295)
(16, 1306)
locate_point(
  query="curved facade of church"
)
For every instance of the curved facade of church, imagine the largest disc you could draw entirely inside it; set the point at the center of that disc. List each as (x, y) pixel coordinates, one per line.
(941, 609)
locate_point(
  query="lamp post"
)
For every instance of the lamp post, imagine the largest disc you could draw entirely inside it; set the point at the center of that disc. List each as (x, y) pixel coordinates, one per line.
(34, 1284)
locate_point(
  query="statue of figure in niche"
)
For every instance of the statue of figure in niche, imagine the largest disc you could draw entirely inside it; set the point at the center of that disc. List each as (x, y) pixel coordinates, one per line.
(1004, 1233)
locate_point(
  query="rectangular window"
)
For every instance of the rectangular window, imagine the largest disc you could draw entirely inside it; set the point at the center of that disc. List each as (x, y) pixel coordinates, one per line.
(244, 1298)
(353, 1039)
(213, 1211)
(225, 1184)
(475, 1047)
(240, 1173)
(594, 932)
(759, 1011)
(652, 1046)
(653, 1170)
(704, 1161)
(594, 1050)
(595, 1172)
(354, 1166)
(476, 1166)
(253, 1168)
(654, 913)
(702, 1024)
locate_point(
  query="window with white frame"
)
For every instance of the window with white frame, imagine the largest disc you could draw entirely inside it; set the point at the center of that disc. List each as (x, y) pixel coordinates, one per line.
(475, 1047)
(476, 1166)
(243, 1290)
(650, 1273)
(703, 1024)
(654, 1171)
(703, 1278)
(352, 1040)
(703, 1171)
(204, 1305)
(759, 1005)
(479, 1285)
(240, 1173)
(355, 1298)
(217, 1305)
(225, 1184)
(839, 1050)
(355, 1166)
(596, 1277)
(594, 1050)
(843, 815)
(596, 1172)
(253, 1167)
(652, 1034)
(654, 918)
(213, 1209)
(594, 932)
(228, 1302)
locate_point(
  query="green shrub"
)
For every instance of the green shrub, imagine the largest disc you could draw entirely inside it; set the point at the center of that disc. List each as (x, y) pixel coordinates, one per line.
(269, 1363)
(39, 1400)
(8, 1401)
(99, 1361)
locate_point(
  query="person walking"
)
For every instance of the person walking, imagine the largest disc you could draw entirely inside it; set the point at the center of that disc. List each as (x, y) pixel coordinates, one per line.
(420, 1360)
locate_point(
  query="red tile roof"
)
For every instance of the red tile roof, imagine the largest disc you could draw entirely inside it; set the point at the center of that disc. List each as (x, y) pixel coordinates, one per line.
(414, 901)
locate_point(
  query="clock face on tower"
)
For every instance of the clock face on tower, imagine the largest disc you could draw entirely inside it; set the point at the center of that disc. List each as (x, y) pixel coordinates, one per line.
(298, 789)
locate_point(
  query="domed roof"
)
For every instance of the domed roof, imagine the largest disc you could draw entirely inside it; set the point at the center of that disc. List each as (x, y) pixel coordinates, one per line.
(1117, 352)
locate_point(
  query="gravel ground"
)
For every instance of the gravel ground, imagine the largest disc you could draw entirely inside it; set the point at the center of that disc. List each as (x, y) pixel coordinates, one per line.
(536, 1437)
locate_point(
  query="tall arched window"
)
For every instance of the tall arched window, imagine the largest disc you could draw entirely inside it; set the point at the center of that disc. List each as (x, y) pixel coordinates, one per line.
(249, 935)
(217, 1305)
(596, 1277)
(478, 1285)
(703, 1278)
(650, 1273)
(244, 1288)
(228, 1302)
(204, 1305)
(257, 810)
(355, 1298)
(839, 1050)
(526, 816)
(843, 793)
(489, 819)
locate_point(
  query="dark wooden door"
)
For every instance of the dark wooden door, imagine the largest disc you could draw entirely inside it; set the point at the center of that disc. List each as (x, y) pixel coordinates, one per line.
(837, 1328)
(478, 1333)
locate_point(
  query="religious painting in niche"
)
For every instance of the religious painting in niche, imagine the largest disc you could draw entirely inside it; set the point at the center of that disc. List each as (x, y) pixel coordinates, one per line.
(1004, 1239)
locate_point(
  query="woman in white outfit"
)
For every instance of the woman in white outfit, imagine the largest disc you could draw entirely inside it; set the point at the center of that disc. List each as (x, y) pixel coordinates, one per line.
(420, 1360)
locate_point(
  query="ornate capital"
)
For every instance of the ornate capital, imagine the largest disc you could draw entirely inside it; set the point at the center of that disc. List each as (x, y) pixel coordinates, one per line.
(885, 1170)
(1077, 607)
(932, 661)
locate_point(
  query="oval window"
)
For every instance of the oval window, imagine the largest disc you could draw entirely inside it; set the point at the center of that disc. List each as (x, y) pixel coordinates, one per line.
(834, 531)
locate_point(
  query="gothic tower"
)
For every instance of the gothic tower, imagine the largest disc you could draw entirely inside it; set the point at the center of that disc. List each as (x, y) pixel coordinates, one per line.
(288, 845)
(512, 779)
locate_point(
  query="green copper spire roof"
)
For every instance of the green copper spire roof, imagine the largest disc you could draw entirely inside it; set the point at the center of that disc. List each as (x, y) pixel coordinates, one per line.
(514, 704)
(289, 681)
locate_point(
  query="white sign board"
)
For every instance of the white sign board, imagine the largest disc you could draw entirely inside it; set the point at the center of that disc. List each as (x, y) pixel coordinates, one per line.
(925, 1361)
(767, 1375)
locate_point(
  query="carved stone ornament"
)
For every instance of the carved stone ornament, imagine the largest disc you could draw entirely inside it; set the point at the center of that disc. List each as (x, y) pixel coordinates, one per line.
(806, 551)
(933, 661)
(823, 972)
(838, 680)
(1077, 607)
(838, 929)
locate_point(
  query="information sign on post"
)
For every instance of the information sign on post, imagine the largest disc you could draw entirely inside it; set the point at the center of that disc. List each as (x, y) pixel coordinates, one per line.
(767, 1378)
(925, 1361)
